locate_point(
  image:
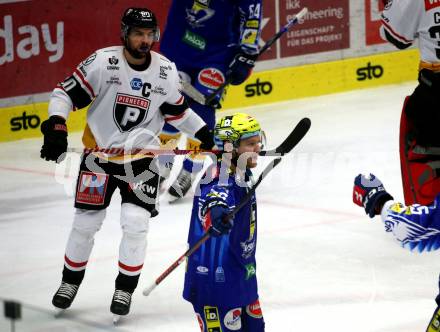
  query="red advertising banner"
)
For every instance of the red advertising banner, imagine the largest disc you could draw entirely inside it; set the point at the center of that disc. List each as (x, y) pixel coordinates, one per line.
(41, 41)
(268, 29)
(372, 22)
(324, 28)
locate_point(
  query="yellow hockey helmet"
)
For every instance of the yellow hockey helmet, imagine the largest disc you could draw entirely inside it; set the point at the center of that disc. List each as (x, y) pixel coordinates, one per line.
(233, 128)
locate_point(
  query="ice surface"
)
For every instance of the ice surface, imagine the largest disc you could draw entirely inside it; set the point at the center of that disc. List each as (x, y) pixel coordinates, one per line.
(322, 264)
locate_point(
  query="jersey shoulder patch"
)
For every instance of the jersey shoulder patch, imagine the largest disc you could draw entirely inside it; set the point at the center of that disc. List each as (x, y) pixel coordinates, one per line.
(167, 69)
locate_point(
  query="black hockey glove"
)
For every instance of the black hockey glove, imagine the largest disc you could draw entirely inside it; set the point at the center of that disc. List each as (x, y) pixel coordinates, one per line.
(370, 193)
(241, 67)
(54, 130)
(206, 137)
(219, 223)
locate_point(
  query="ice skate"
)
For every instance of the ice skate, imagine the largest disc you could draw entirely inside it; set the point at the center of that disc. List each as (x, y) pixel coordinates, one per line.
(120, 304)
(64, 296)
(180, 186)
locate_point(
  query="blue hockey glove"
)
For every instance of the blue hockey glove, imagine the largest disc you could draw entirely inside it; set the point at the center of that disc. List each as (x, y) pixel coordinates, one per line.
(220, 224)
(241, 67)
(370, 193)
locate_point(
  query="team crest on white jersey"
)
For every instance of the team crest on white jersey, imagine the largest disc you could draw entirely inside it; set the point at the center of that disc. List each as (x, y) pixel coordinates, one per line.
(130, 111)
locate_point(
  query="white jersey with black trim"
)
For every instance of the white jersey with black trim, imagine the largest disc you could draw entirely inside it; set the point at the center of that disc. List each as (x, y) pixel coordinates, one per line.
(405, 20)
(128, 107)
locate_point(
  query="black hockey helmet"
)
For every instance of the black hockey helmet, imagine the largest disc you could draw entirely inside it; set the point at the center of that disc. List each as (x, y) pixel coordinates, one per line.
(140, 18)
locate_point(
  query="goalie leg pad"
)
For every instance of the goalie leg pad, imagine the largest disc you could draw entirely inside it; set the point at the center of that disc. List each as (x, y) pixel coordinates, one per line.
(134, 223)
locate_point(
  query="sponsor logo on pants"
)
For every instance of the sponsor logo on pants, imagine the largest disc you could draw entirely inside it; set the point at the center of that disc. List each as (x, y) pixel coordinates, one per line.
(232, 319)
(254, 310)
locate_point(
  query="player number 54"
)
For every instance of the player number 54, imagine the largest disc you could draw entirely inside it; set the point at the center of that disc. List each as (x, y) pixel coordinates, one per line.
(254, 11)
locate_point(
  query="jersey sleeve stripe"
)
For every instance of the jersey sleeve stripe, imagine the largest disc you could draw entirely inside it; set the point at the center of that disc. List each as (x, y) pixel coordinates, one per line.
(59, 86)
(174, 118)
(395, 34)
(173, 109)
(180, 101)
(84, 83)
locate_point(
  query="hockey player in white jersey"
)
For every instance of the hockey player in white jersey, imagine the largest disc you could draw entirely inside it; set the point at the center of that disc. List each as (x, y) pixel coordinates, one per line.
(132, 91)
(404, 21)
(415, 227)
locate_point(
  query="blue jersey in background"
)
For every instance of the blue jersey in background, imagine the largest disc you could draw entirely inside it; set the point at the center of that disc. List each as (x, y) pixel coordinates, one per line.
(203, 30)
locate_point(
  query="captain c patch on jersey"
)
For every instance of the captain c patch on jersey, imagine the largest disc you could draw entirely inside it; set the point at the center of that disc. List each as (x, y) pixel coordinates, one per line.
(129, 111)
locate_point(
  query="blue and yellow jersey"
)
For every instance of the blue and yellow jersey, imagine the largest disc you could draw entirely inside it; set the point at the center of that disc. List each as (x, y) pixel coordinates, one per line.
(222, 272)
(416, 227)
(198, 30)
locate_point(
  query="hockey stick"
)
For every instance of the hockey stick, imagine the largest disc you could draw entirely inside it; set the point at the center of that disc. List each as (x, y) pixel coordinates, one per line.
(199, 97)
(289, 143)
(139, 151)
(155, 152)
(193, 93)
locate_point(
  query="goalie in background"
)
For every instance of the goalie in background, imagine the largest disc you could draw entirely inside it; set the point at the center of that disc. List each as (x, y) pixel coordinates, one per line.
(220, 279)
(209, 41)
(403, 21)
(415, 227)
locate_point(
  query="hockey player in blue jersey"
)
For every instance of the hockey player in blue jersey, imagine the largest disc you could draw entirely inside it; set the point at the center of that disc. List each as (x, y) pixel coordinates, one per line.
(209, 41)
(416, 227)
(220, 280)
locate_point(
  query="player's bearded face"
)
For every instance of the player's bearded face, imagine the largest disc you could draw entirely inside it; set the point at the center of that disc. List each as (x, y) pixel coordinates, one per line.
(139, 42)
